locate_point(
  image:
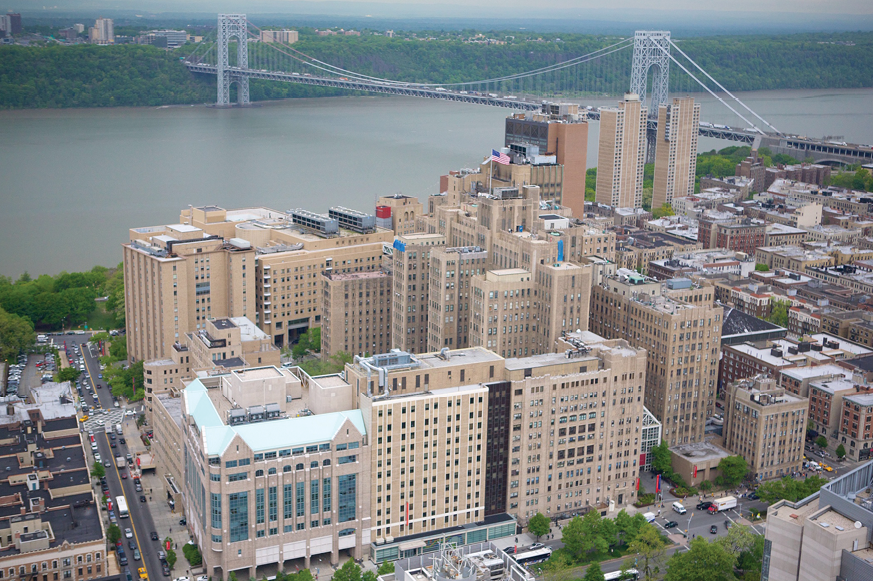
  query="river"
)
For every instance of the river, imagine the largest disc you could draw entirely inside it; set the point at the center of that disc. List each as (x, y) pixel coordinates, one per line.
(73, 181)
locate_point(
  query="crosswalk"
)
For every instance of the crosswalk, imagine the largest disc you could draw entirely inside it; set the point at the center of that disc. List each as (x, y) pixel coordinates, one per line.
(98, 421)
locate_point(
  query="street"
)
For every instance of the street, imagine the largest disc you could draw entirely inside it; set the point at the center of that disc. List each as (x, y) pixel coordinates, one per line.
(140, 521)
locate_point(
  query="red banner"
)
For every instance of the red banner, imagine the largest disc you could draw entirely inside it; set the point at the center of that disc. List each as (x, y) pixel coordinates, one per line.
(695, 472)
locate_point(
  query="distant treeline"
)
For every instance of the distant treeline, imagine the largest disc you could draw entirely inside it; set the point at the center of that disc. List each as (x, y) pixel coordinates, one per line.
(133, 75)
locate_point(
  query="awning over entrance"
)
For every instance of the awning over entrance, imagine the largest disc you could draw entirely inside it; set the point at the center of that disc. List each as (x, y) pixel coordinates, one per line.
(411, 545)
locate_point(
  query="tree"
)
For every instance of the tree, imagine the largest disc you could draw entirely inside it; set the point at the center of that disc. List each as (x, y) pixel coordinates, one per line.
(171, 558)
(779, 313)
(705, 486)
(231, 576)
(704, 561)
(67, 374)
(663, 211)
(539, 525)
(761, 267)
(98, 471)
(841, 451)
(192, 554)
(661, 461)
(113, 533)
(821, 442)
(586, 536)
(739, 538)
(789, 489)
(350, 571)
(593, 573)
(733, 469)
(385, 568)
(16, 335)
(369, 576)
(649, 550)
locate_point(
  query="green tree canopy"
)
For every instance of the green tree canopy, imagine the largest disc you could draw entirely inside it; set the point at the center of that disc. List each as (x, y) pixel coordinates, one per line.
(539, 525)
(733, 469)
(113, 534)
(664, 210)
(350, 571)
(67, 374)
(16, 335)
(661, 461)
(761, 267)
(98, 471)
(789, 489)
(779, 313)
(385, 568)
(841, 451)
(593, 573)
(649, 552)
(821, 442)
(704, 561)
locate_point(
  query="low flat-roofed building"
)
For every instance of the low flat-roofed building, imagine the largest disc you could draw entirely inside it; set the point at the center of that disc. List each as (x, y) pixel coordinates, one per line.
(825, 535)
(700, 457)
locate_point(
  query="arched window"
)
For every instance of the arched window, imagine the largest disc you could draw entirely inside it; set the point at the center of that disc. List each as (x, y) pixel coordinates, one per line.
(259, 473)
(271, 471)
(326, 462)
(299, 466)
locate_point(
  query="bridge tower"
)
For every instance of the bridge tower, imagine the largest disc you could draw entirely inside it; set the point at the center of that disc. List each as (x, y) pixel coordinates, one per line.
(230, 26)
(651, 49)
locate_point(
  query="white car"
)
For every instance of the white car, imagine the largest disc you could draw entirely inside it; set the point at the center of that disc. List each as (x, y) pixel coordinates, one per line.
(128, 533)
(180, 579)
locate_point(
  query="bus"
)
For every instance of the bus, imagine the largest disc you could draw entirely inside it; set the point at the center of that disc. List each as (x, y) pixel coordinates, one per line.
(121, 505)
(616, 575)
(530, 557)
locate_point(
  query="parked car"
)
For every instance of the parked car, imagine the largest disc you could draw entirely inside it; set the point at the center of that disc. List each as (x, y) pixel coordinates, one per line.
(727, 524)
(536, 546)
(154, 536)
(128, 533)
(136, 555)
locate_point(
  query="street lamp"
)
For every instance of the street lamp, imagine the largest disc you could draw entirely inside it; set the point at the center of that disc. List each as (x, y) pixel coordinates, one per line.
(688, 530)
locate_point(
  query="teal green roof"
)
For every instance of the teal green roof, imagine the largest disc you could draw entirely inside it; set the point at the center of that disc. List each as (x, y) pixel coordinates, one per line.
(263, 436)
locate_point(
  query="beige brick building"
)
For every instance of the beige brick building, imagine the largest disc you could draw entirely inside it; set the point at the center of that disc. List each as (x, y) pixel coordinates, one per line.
(449, 295)
(576, 429)
(766, 425)
(357, 313)
(410, 269)
(402, 212)
(681, 330)
(676, 151)
(621, 153)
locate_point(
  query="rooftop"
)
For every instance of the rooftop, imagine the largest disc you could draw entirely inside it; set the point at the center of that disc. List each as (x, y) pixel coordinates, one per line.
(700, 452)
(261, 436)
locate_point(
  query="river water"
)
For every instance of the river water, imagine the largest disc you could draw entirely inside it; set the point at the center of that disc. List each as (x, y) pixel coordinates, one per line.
(73, 181)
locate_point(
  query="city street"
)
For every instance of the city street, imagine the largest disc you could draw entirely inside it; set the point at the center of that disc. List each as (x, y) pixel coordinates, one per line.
(140, 521)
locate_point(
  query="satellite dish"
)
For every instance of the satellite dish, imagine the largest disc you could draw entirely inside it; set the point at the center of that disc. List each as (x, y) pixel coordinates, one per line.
(858, 524)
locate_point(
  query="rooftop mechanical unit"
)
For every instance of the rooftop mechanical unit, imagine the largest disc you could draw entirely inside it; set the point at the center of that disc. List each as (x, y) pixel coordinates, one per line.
(318, 222)
(353, 219)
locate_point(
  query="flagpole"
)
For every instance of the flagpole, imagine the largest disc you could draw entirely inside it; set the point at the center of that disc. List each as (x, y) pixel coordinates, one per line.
(490, 174)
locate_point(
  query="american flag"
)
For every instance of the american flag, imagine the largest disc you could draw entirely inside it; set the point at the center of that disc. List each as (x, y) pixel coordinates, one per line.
(499, 157)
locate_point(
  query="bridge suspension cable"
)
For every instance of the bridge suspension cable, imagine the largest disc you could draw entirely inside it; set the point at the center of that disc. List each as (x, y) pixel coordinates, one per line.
(721, 87)
(601, 52)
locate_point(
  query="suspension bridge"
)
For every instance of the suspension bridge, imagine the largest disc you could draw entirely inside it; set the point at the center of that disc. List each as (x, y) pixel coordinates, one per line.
(235, 59)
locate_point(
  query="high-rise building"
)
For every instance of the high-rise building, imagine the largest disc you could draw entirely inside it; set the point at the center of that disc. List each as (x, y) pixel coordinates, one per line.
(175, 279)
(766, 425)
(621, 155)
(576, 426)
(103, 31)
(357, 313)
(10, 24)
(410, 268)
(560, 130)
(676, 150)
(680, 327)
(449, 304)
(282, 36)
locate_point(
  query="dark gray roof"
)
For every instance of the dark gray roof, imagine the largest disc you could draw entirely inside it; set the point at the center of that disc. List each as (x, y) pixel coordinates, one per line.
(230, 362)
(737, 322)
(223, 324)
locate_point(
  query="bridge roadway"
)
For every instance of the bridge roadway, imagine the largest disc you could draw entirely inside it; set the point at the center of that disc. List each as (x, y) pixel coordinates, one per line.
(796, 146)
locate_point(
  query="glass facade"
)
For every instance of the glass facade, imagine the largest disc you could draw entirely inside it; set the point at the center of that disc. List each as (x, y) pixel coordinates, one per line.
(288, 502)
(347, 497)
(238, 507)
(259, 506)
(313, 501)
(325, 497)
(301, 499)
(274, 504)
(216, 511)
